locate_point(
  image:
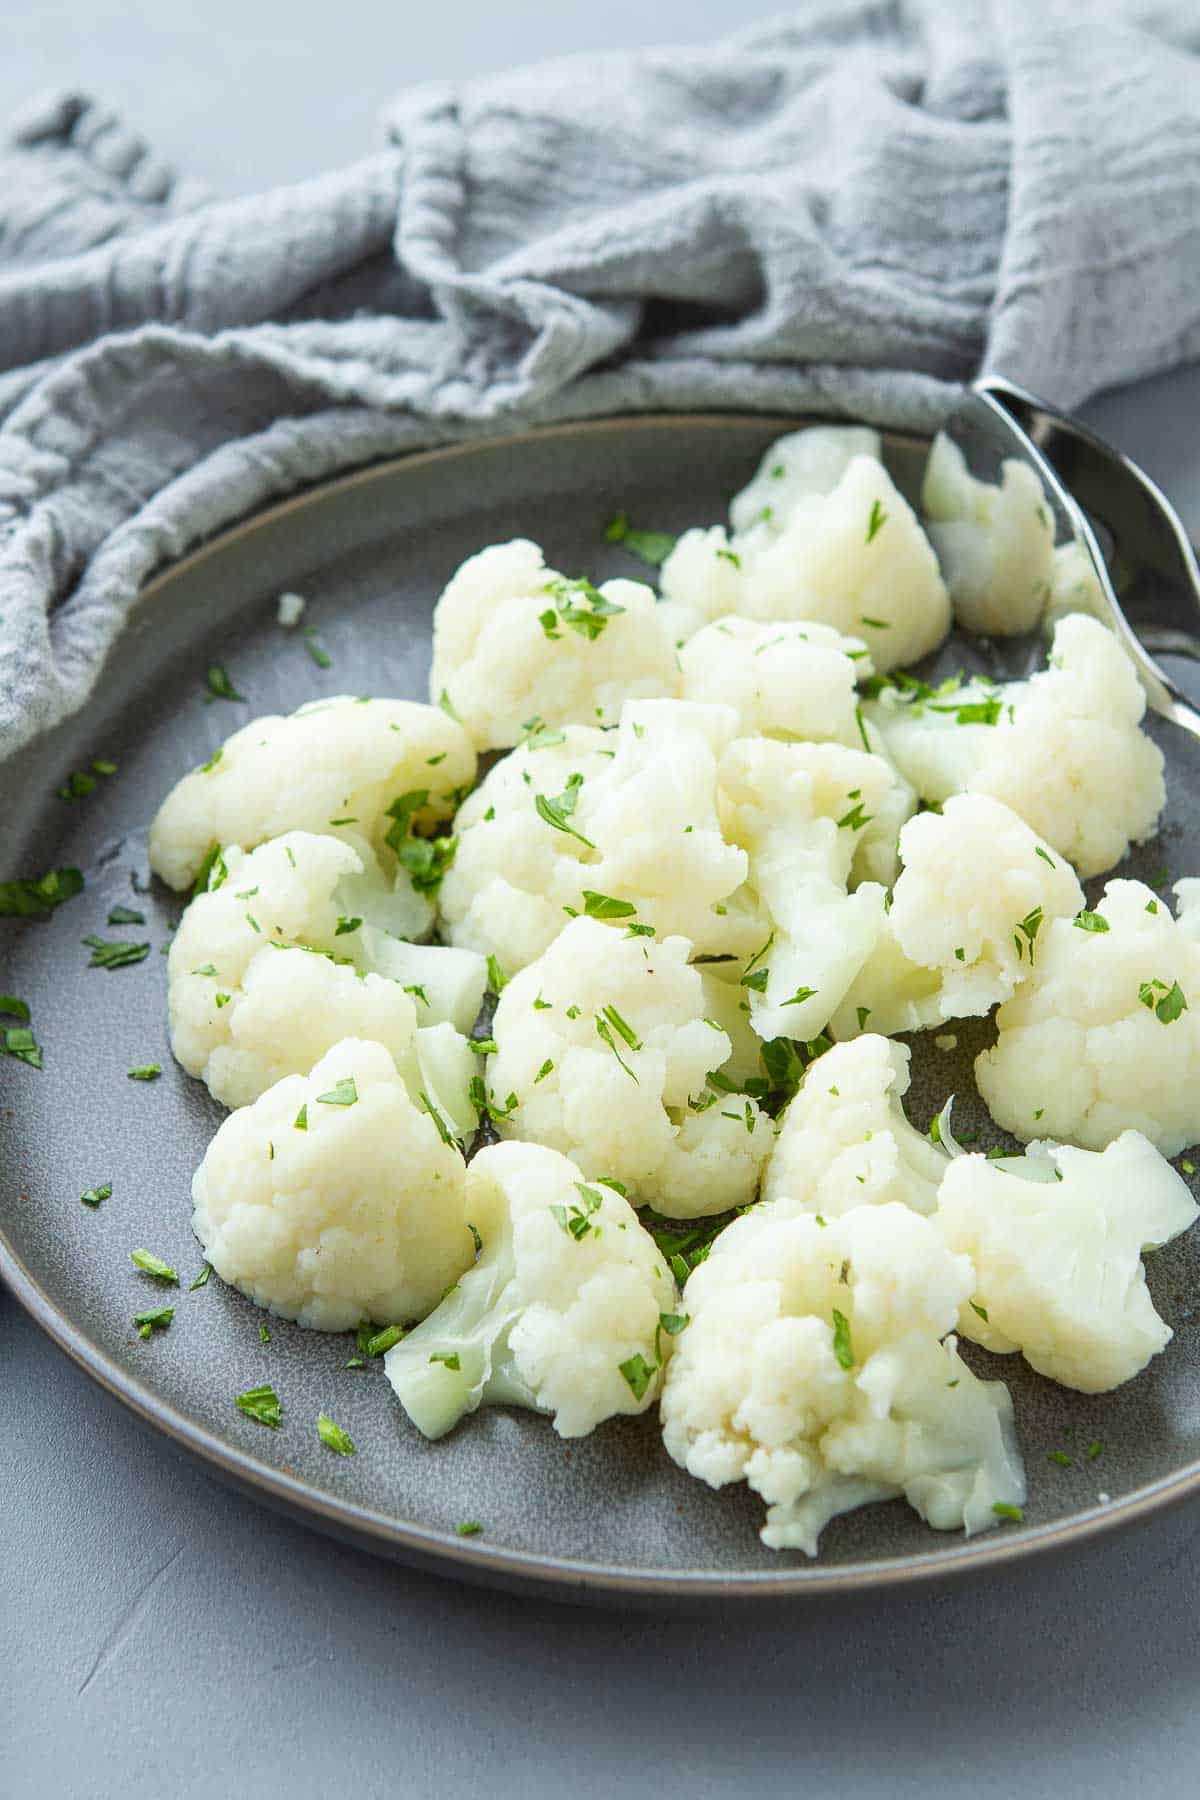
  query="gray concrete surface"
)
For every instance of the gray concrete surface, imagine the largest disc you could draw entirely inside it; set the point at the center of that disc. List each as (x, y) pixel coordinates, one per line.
(159, 1632)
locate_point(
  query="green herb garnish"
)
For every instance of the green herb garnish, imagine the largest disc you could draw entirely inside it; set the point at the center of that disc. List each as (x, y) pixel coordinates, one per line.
(263, 1404)
(333, 1437)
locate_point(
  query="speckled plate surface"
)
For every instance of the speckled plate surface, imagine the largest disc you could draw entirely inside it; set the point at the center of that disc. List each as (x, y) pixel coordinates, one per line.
(606, 1516)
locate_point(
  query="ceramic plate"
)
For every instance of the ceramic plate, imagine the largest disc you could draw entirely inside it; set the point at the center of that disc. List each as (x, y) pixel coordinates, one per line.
(609, 1514)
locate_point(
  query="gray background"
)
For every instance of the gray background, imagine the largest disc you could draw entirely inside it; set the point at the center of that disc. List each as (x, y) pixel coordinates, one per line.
(158, 1631)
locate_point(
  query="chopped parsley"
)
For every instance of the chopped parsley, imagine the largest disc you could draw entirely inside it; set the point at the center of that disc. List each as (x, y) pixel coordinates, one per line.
(219, 685)
(1094, 1449)
(547, 1068)
(604, 906)
(1003, 1510)
(855, 819)
(125, 915)
(343, 1093)
(333, 1437)
(262, 1404)
(638, 1373)
(317, 651)
(35, 898)
(264, 1336)
(981, 1310)
(19, 1042)
(345, 926)
(864, 1013)
(94, 1196)
(157, 1319)
(800, 996)
(497, 979)
(874, 624)
(576, 1221)
(875, 525)
(843, 1350)
(862, 729)
(469, 1528)
(1167, 1004)
(154, 1265)
(1060, 1459)
(443, 1130)
(1027, 930)
(115, 953)
(653, 547)
(300, 1122)
(202, 1278)
(145, 1072)
(580, 606)
(1090, 921)
(557, 812)
(449, 1359)
(447, 706)
(605, 1034)
(380, 1342)
(1045, 855)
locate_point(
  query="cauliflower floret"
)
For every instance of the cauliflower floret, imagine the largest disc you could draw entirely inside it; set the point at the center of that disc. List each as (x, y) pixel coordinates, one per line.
(852, 557)
(569, 1308)
(812, 1368)
(786, 681)
(995, 542)
(1062, 749)
(701, 581)
(856, 559)
(975, 893)
(844, 1140)
(274, 964)
(1104, 1036)
(514, 640)
(333, 1198)
(624, 826)
(335, 767)
(1056, 1238)
(811, 461)
(798, 809)
(603, 1052)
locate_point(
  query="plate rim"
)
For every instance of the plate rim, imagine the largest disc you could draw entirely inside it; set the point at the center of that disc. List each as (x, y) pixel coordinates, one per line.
(475, 1559)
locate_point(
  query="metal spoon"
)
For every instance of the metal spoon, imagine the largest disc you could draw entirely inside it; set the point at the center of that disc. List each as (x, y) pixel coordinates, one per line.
(1150, 581)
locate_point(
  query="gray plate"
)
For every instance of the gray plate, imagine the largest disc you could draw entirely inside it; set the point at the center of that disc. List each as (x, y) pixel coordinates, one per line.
(604, 1516)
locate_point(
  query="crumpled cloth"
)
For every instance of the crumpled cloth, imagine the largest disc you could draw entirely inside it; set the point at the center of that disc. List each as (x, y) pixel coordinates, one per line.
(849, 210)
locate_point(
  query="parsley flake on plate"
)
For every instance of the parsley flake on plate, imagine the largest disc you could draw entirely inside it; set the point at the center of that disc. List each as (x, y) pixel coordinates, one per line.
(263, 1404)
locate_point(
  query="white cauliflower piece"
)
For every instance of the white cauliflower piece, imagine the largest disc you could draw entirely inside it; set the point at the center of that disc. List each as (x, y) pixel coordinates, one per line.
(335, 767)
(701, 580)
(603, 1052)
(1056, 1238)
(569, 1309)
(333, 1198)
(1063, 749)
(853, 558)
(274, 964)
(514, 640)
(623, 825)
(977, 889)
(786, 680)
(802, 463)
(858, 560)
(1104, 1036)
(812, 1369)
(995, 542)
(798, 810)
(844, 1140)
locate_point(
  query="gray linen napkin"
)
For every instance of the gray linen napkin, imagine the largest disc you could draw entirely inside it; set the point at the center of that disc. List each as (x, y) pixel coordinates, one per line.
(848, 210)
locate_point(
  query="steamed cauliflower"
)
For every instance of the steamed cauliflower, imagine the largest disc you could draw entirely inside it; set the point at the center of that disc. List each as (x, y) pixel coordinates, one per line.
(854, 558)
(514, 640)
(995, 542)
(623, 824)
(569, 1309)
(786, 681)
(1103, 1037)
(813, 1369)
(964, 929)
(793, 469)
(335, 1198)
(274, 964)
(335, 767)
(799, 810)
(844, 1141)
(1063, 749)
(603, 1051)
(1056, 1239)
